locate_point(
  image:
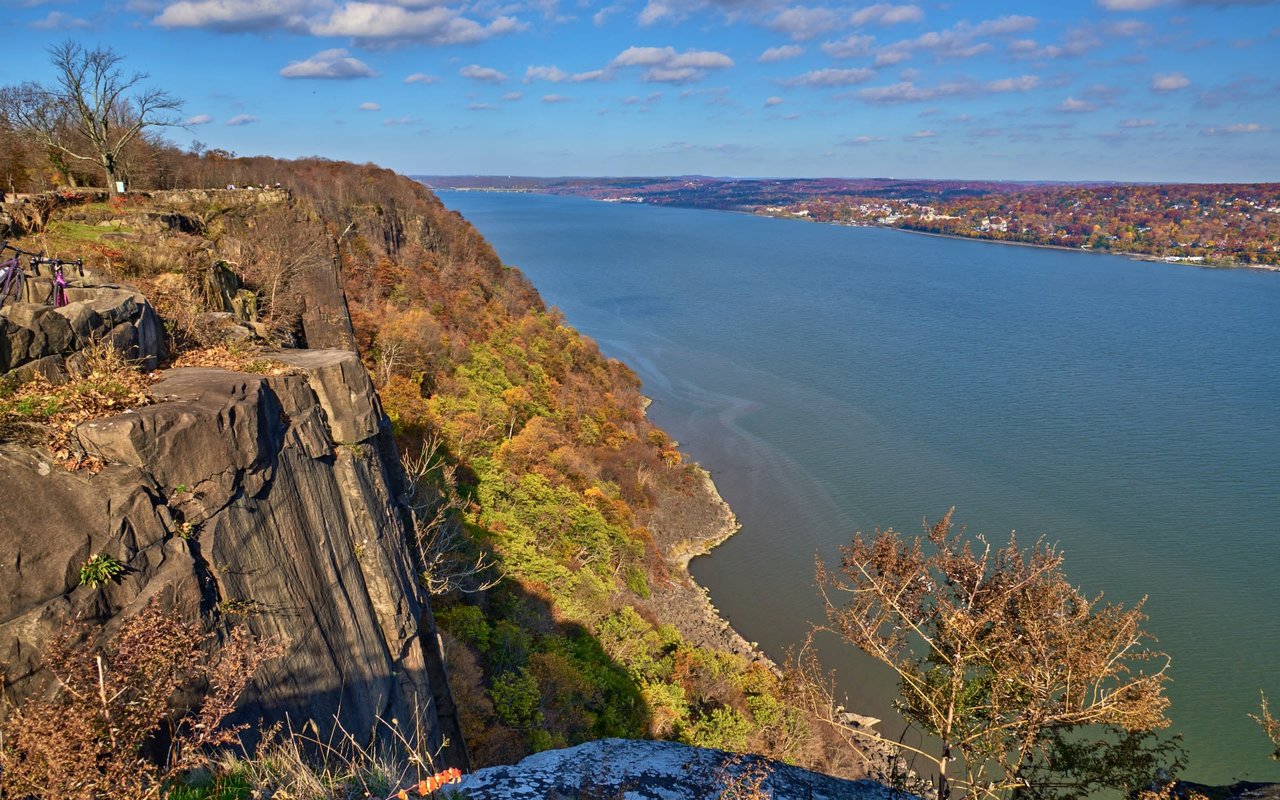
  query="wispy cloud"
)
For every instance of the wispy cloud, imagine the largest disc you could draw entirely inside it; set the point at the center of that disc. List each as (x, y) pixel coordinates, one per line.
(421, 77)
(908, 92)
(58, 21)
(198, 119)
(781, 53)
(1237, 129)
(370, 107)
(828, 78)
(329, 64)
(1170, 82)
(886, 14)
(242, 119)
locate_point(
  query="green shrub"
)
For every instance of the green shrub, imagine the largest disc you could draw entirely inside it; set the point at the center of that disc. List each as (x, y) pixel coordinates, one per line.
(99, 570)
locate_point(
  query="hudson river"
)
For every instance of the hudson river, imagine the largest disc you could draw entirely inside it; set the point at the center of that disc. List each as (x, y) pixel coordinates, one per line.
(841, 379)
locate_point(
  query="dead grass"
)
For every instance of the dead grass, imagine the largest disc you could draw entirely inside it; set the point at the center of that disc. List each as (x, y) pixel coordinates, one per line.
(38, 412)
(236, 358)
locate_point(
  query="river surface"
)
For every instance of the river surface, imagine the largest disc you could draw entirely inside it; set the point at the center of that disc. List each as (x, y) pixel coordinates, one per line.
(839, 379)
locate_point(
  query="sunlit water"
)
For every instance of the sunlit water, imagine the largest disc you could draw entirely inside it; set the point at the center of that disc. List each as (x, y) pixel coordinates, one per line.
(840, 379)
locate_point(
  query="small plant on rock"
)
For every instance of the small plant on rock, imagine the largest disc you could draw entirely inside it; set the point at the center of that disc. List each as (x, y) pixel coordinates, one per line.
(99, 570)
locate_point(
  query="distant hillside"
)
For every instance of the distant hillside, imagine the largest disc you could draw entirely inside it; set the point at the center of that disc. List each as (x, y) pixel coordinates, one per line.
(1208, 224)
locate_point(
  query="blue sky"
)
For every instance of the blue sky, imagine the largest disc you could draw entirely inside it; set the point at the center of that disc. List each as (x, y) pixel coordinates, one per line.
(1144, 90)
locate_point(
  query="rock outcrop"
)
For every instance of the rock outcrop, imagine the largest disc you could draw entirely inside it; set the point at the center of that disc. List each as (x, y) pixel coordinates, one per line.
(36, 338)
(640, 770)
(263, 500)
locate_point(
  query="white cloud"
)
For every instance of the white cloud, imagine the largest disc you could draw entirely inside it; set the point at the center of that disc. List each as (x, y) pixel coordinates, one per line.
(372, 23)
(556, 98)
(242, 119)
(421, 77)
(58, 21)
(853, 46)
(802, 23)
(511, 97)
(481, 107)
(826, 78)
(886, 14)
(589, 75)
(1170, 82)
(552, 74)
(198, 119)
(1239, 128)
(484, 74)
(918, 135)
(1131, 5)
(908, 92)
(1076, 106)
(236, 15)
(334, 64)
(405, 120)
(781, 53)
(1138, 123)
(772, 101)
(370, 107)
(665, 65)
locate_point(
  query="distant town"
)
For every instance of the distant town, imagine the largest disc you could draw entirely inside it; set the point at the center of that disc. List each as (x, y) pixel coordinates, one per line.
(1207, 224)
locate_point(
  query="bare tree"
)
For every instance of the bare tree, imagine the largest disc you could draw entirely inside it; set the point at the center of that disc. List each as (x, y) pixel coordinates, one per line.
(448, 562)
(995, 652)
(92, 113)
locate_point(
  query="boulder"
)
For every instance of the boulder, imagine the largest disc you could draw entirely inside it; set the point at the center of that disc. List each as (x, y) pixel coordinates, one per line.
(648, 770)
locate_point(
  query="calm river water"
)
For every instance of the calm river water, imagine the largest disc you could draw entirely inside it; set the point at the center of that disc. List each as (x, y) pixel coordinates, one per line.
(841, 379)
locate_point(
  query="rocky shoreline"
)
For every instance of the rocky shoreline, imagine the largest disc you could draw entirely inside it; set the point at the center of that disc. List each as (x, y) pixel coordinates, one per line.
(684, 526)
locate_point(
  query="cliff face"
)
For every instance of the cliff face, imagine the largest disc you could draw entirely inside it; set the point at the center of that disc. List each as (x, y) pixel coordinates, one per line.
(263, 500)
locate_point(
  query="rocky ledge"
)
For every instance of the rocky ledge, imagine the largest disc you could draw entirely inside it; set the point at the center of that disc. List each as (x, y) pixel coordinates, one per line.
(644, 770)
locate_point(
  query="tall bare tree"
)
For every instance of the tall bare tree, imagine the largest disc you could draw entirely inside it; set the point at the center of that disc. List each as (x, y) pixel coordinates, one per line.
(92, 112)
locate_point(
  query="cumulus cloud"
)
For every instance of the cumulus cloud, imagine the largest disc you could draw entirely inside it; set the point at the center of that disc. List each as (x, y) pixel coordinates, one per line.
(802, 23)
(781, 53)
(484, 74)
(854, 46)
(332, 64)
(886, 14)
(827, 78)
(1170, 82)
(236, 15)
(370, 107)
(665, 65)
(242, 119)
(198, 119)
(421, 77)
(378, 23)
(553, 99)
(908, 92)
(772, 101)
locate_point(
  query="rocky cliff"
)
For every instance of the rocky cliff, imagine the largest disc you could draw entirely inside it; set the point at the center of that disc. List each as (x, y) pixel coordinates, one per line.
(266, 500)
